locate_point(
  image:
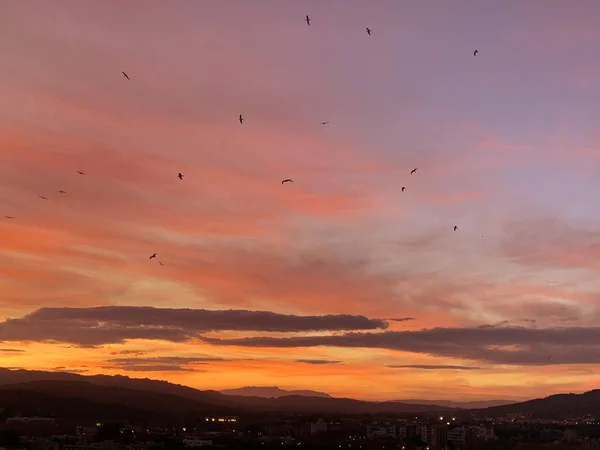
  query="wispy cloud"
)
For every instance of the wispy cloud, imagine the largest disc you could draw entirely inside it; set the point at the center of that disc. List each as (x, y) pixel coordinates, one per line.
(530, 322)
(317, 361)
(163, 363)
(129, 352)
(433, 367)
(155, 368)
(69, 370)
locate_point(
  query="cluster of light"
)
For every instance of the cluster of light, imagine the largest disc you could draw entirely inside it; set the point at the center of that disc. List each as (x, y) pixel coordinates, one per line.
(221, 419)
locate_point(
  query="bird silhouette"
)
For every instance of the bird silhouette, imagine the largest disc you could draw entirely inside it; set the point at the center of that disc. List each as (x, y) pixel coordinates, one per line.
(80, 173)
(161, 263)
(403, 188)
(42, 197)
(307, 19)
(368, 31)
(61, 192)
(455, 227)
(287, 180)
(9, 217)
(241, 119)
(125, 75)
(324, 123)
(153, 256)
(475, 52)
(180, 176)
(413, 171)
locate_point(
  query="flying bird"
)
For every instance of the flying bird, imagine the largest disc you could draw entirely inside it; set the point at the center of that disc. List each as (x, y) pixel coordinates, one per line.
(403, 188)
(324, 123)
(125, 75)
(368, 31)
(9, 217)
(455, 227)
(180, 176)
(61, 192)
(413, 171)
(241, 119)
(153, 256)
(307, 19)
(161, 263)
(80, 173)
(288, 180)
(475, 52)
(42, 197)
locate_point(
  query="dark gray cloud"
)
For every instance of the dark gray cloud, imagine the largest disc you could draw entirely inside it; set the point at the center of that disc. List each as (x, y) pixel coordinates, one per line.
(116, 324)
(502, 345)
(401, 319)
(11, 350)
(317, 361)
(433, 367)
(162, 363)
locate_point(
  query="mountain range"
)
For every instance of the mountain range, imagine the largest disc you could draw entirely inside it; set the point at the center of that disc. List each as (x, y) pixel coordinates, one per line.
(42, 390)
(272, 392)
(476, 404)
(63, 394)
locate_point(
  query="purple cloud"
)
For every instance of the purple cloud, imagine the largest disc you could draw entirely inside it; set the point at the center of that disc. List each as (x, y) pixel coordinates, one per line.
(504, 345)
(116, 324)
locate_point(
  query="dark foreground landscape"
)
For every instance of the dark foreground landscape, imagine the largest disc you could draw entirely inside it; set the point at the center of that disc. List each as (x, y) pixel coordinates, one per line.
(65, 411)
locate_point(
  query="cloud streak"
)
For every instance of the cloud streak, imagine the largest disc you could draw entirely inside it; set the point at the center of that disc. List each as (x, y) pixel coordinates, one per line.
(318, 361)
(433, 367)
(512, 345)
(163, 363)
(115, 324)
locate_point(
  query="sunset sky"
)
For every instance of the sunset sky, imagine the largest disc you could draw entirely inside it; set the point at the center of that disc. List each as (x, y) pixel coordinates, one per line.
(507, 146)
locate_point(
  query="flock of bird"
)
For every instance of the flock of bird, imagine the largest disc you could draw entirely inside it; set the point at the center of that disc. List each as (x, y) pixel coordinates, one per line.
(241, 120)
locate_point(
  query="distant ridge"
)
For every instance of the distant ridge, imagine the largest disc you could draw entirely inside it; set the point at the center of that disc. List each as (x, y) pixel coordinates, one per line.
(32, 390)
(475, 404)
(556, 406)
(272, 392)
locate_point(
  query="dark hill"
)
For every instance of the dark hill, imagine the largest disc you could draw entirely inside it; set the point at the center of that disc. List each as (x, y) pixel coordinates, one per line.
(555, 406)
(168, 398)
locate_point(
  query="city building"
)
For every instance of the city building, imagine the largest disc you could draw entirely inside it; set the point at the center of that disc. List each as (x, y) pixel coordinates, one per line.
(377, 430)
(320, 426)
(457, 436)
(438, 437)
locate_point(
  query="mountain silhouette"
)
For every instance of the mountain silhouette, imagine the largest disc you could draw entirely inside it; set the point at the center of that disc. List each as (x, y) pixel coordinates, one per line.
(271, 392)
(555, 406)
(474, 404)
(26, 389)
